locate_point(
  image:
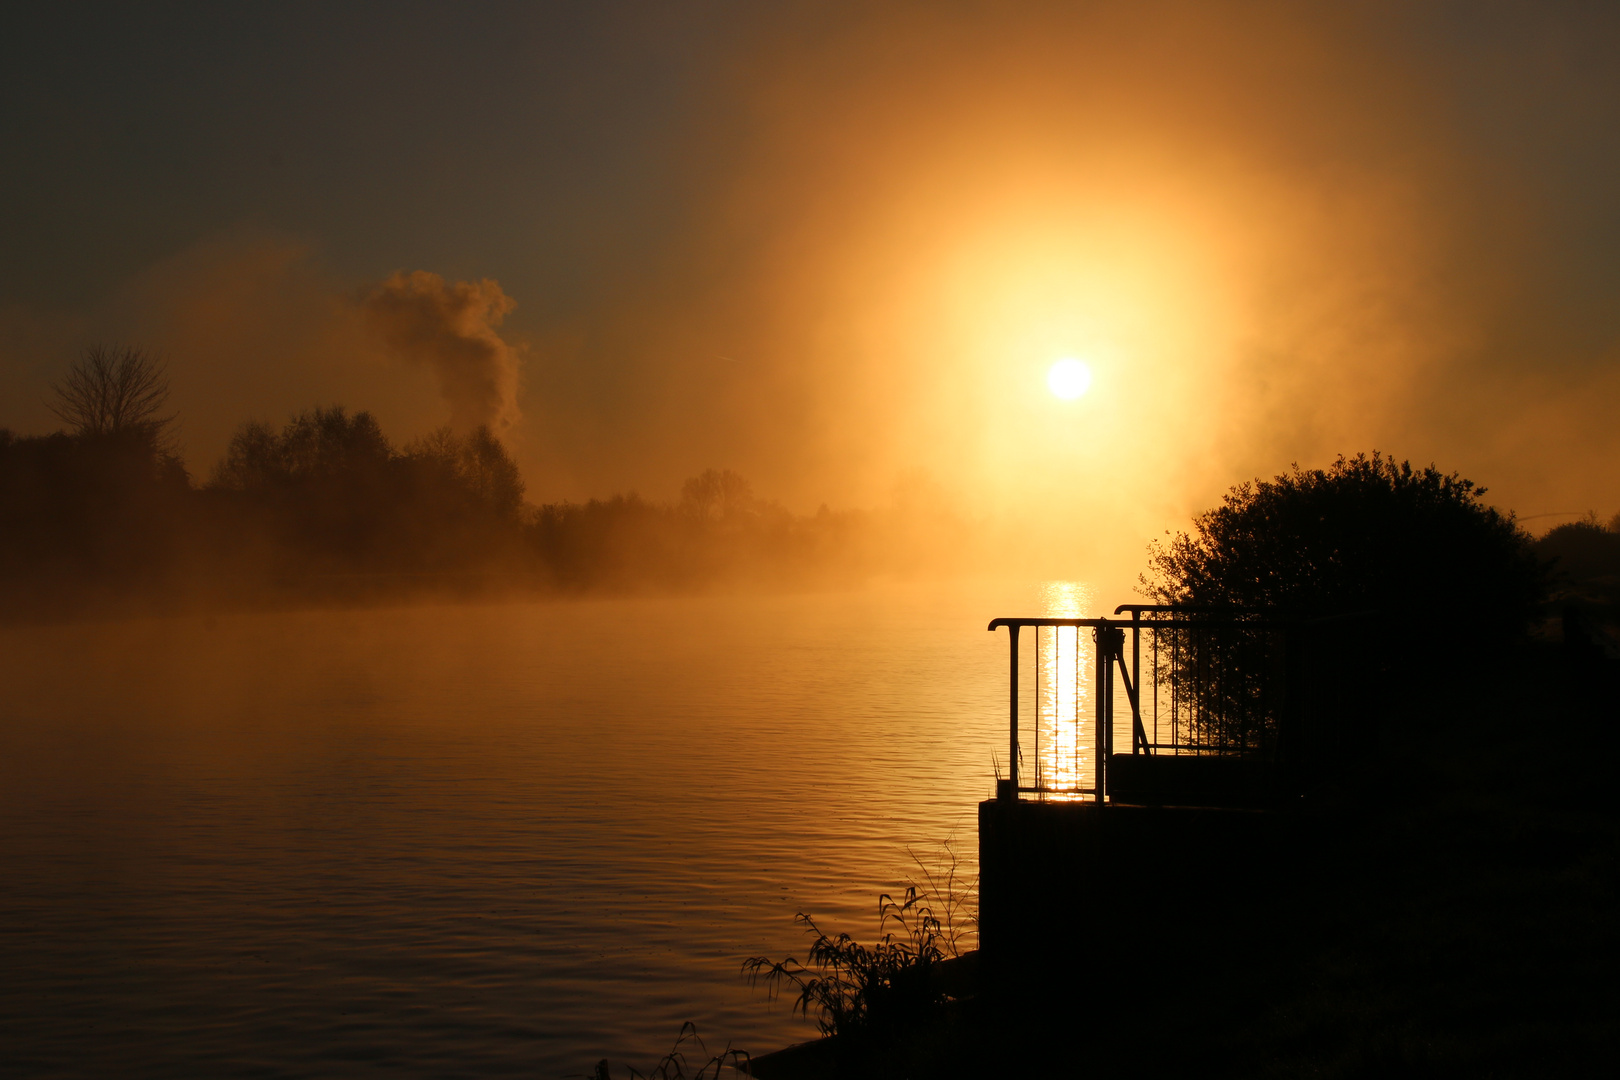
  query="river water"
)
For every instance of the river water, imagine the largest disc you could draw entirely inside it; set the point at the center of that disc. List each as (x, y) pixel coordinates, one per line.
(472, 840)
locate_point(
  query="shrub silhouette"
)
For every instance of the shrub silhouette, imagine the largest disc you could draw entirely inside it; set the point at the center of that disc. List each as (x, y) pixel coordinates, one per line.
(1401, 586)
(1364, 534)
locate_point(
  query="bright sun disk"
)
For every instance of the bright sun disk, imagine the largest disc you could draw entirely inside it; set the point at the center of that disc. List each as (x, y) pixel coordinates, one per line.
(1069, 378)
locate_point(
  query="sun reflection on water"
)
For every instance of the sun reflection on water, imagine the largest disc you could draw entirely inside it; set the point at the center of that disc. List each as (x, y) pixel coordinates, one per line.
(1064, 676)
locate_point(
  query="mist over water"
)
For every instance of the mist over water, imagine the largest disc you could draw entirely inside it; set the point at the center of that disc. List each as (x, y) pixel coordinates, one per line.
(484, 840)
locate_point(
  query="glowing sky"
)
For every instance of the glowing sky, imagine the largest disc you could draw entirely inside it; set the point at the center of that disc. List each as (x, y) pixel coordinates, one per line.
(838, 247)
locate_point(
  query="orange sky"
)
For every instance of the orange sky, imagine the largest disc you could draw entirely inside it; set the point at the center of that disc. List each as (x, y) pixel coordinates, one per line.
(835, 248)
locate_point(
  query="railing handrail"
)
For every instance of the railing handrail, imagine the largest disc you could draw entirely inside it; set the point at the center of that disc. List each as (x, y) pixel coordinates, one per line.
(996, 624)
(1255, 624)
(1184, 607)
(1191, 618)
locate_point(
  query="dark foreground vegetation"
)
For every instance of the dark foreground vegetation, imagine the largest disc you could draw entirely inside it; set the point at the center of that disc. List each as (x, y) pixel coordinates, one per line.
(1443, 904)
(103, 518)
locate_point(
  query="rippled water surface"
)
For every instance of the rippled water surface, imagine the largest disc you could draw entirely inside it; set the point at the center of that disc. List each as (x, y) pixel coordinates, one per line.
(467, 840)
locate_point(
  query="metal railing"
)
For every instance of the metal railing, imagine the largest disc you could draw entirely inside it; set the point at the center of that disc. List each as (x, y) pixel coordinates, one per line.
(1195, 682)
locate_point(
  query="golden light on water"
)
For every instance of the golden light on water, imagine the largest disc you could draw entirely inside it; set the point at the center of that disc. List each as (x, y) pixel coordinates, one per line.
(1069, 378)
(1064, 681)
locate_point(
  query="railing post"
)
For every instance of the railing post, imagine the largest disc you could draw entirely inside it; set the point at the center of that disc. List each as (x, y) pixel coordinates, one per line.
(1136, 681)
(1100, 692)
(1012, 724)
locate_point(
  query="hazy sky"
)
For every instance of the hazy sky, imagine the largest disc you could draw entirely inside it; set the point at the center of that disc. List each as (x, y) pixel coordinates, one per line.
(836, 247)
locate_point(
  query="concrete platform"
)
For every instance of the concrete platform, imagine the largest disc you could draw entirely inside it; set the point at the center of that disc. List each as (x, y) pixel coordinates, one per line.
(1058, 876)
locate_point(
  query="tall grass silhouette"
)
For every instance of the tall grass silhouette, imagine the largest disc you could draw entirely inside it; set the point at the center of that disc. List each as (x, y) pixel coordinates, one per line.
(675, 1065)
(857, 989)
(876, 990)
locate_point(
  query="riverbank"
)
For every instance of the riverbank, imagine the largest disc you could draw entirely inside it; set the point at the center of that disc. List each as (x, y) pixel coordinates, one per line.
(1450, 915)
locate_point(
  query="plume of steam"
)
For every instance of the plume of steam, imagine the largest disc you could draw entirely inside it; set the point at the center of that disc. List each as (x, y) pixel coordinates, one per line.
(451, 328)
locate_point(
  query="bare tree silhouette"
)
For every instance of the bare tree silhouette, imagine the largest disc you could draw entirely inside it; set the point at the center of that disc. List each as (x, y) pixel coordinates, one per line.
(115, 391)
(717, 493)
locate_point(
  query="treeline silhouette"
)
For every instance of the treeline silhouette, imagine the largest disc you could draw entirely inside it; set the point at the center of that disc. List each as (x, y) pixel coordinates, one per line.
(330, 495)
(327, 508)
(1585, 555)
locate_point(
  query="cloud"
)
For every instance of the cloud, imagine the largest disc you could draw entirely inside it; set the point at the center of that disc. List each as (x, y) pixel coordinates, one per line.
(451, 330)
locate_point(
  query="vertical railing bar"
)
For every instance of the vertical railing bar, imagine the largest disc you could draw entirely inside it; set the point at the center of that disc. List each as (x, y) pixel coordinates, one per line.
(1155, 684)
(1076, 703)
(1097, 693)
(1040, 685)
(1211, 716)
(1012, 752)
(1110, 678)
(1175, 688)
(1202, 691)
(1116, 668)
(1136, 676)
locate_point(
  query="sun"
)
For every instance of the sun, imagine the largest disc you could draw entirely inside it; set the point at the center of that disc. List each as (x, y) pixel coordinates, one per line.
(1069, 378)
